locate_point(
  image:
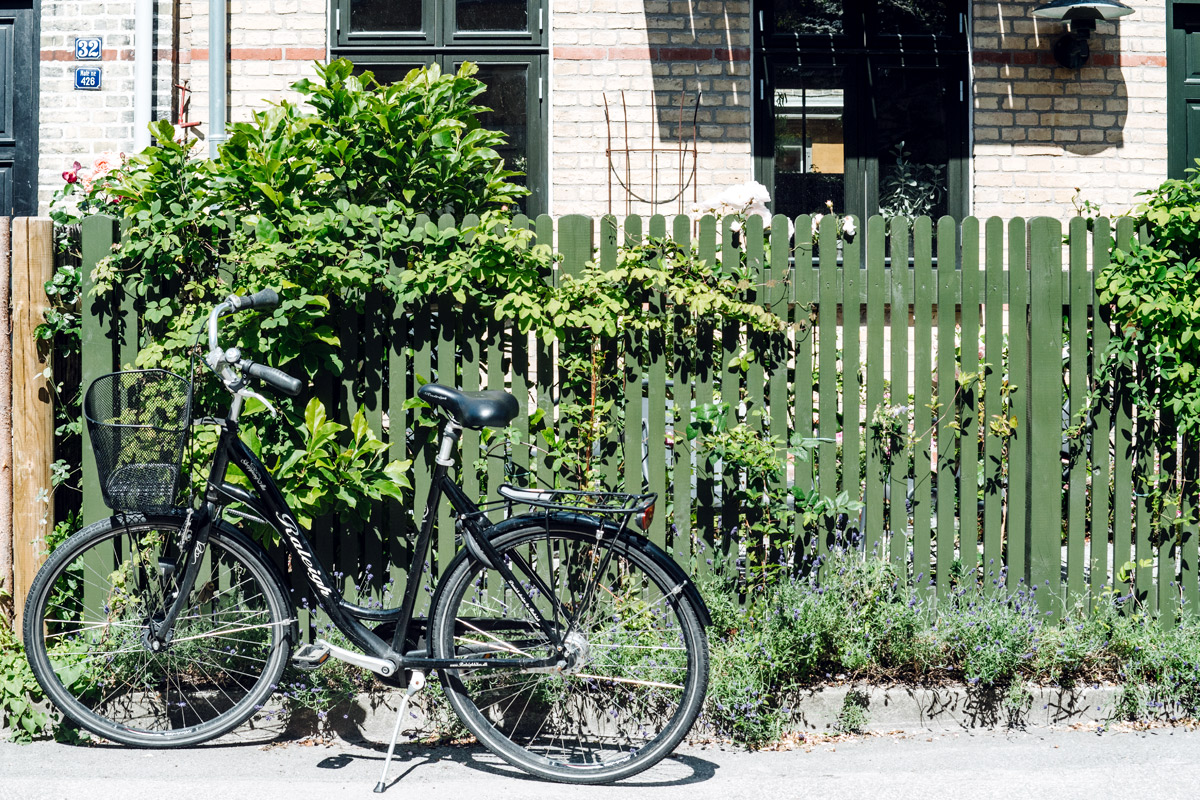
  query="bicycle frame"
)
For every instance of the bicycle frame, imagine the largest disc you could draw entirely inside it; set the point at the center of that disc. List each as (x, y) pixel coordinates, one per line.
(267, 502)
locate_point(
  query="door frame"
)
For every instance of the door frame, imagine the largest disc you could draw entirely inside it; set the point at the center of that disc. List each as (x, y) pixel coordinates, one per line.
(26, 104)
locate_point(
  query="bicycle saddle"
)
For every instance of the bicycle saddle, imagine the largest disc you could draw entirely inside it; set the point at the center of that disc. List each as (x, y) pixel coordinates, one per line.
(493, 409)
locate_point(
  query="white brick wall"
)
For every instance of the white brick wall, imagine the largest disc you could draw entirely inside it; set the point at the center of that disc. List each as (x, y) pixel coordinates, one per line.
(272, 45)
(77, 125)
(650, 51)
(271, 42)
(1041, 130)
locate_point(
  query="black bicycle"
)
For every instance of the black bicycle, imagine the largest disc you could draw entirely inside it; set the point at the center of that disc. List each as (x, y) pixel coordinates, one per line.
(569, 644)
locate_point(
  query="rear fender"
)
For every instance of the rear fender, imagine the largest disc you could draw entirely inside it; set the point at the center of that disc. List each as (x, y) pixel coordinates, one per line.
(585, 523)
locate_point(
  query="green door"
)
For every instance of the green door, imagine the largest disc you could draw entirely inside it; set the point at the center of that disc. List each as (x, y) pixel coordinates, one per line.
(1183, 86)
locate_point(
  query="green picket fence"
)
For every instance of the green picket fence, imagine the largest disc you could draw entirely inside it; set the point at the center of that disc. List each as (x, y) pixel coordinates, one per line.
(1009, 302)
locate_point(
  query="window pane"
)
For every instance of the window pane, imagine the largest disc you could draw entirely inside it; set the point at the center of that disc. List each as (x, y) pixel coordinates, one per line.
(919, 16)
(810, 159)
(492, 15)
(911, 141)
(808, 16)
(385, 15)
(387, 73)
(508, 98)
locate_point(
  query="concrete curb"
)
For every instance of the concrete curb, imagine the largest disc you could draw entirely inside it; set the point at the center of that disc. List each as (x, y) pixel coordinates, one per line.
(370, 717)
(892, 708)
(944, 708)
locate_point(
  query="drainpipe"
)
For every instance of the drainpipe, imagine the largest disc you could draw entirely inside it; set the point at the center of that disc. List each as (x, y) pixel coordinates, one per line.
(143, 73)
(217, 52)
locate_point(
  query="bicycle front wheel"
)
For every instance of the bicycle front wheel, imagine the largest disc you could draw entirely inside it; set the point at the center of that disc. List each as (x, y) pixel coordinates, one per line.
(87, 622)
(637, 665)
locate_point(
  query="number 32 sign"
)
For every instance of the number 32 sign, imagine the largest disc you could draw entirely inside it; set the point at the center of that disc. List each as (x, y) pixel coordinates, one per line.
(89, 48)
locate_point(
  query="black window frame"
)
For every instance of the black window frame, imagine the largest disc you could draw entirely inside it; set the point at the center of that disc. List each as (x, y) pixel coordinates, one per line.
(440, 42)
(859, 53)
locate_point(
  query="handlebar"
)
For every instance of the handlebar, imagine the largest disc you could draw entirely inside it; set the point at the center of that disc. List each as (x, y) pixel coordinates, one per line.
(274, 378)
(223, 363)
(264, 298)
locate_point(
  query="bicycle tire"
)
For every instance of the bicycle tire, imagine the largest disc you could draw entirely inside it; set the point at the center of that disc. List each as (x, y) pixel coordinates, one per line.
(86, 619)
(639, 673)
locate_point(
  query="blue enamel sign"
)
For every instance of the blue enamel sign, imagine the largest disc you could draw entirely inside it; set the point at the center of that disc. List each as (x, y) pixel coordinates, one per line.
(89, 48)
(87, 77)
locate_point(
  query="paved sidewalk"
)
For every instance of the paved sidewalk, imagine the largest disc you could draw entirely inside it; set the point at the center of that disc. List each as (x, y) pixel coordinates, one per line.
(1061, 764)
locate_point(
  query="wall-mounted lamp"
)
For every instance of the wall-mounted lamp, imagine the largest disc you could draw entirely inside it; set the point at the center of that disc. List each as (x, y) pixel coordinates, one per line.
(1071, 49)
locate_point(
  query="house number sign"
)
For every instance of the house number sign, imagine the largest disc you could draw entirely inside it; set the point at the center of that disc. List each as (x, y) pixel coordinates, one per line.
(89, 48)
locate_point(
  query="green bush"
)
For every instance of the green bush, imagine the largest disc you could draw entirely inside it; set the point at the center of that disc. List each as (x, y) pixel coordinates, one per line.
(862, 623)
(20, 694)
(1154, 353)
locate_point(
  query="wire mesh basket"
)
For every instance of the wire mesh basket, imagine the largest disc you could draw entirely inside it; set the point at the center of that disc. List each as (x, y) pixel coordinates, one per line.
(138, 422)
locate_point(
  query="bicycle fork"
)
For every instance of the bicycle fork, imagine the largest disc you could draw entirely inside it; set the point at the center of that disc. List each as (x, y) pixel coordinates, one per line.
(192, 546)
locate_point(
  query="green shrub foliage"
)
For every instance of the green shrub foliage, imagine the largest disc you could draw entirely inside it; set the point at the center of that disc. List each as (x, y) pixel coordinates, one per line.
(1149, 287)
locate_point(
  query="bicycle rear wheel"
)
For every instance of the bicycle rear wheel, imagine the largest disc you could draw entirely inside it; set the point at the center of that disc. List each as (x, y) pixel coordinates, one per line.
(638, 665)
(86, 624)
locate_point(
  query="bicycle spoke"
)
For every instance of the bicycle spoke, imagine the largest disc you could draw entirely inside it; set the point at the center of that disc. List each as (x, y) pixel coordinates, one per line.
(625, 673)
(224, 650)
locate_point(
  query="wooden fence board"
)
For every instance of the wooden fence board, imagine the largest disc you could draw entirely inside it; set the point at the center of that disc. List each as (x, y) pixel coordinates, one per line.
(944, 408)
(681, 414)
(828, 293)
(634, 373)
(1190, 547)
(1080, 299)
(656, 409)
(1122, 459)
(1100, 517)
(706, 372)
(982, 290)
(922, 356)
(1018, 349)
(851, 369)
(32, 405)
(878, 295)
(1045, 425)
(969, 361)
(993, 466)
(804, 295)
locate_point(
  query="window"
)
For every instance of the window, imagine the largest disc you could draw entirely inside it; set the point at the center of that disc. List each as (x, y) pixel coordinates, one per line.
(862, 103)
(505, 38)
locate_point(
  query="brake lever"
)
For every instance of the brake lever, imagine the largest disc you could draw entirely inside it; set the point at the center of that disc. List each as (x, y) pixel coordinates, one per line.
(248, 393)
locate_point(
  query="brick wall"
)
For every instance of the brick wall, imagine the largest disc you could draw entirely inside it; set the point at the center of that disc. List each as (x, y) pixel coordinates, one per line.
(272, 44)
(77, 125)
(1041, 130)
(652, 51)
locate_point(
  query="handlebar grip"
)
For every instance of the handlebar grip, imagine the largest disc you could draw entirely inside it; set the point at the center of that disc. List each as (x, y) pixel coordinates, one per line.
(274, 378)
(264, 298)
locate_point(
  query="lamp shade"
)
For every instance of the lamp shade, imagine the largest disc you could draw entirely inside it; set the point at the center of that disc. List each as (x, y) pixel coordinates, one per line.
(1068, 10)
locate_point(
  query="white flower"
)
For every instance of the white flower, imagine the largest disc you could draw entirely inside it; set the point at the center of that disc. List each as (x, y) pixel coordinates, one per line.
(759, 210)
(848, 225)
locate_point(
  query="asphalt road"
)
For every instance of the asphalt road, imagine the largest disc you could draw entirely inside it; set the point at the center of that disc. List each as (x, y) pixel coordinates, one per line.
(1060, 764)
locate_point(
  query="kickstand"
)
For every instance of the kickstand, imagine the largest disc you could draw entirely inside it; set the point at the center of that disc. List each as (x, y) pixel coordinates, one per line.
(415, 684)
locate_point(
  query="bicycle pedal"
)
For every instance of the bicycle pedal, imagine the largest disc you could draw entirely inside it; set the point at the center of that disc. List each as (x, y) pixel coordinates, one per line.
(310, 656)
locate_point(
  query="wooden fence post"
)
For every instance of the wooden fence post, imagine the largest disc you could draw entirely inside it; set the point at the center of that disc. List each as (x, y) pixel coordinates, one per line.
(6, 521)
(33, 406)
